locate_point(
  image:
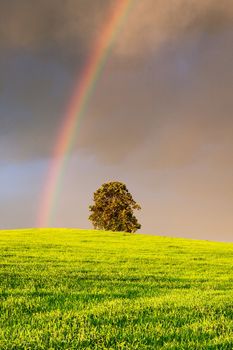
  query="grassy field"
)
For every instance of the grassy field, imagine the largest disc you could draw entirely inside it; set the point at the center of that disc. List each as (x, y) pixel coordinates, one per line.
(78, 289)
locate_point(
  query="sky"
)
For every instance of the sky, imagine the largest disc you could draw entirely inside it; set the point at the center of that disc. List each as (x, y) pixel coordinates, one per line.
(160, 118)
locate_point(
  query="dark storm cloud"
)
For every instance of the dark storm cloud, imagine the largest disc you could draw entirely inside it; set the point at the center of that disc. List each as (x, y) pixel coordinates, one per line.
(73, 24)
(170, 72)
(40, 25)
(155, 22)
(174, 109)
(43, 45)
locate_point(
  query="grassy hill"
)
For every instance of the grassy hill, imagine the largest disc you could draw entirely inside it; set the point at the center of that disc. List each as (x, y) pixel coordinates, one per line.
(79, 289)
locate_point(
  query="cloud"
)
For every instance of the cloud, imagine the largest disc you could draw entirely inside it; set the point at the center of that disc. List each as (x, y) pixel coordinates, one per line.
(153, 23)
(171, 111)
(39, 25)
(165, 92)
(71, 26)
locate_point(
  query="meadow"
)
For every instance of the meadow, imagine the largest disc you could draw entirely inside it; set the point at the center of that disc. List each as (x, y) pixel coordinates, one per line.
(84, 289)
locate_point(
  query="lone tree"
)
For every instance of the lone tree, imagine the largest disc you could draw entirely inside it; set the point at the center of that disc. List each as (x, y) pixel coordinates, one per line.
(113, 208)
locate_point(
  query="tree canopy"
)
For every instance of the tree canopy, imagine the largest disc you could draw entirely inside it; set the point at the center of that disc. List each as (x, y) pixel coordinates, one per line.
(113, 208)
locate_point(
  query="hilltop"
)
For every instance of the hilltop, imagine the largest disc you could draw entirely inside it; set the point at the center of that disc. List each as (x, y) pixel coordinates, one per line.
(86, 289)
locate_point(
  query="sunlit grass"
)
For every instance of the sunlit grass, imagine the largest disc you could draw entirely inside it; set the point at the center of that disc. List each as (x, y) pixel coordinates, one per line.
(78, 289)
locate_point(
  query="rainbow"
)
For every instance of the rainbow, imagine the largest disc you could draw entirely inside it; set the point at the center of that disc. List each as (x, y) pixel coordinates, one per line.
(77, 107)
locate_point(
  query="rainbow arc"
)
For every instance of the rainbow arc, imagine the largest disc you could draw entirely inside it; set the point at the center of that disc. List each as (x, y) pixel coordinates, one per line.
(77, 107)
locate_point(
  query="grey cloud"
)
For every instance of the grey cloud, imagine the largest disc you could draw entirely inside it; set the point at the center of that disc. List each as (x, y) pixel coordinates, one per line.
(174, 108)
(169, 73)
(71, 26)
(152, 23)
(38, 24)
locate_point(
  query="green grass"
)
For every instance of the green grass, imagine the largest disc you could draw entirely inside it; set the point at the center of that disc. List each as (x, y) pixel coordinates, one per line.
(78, 289)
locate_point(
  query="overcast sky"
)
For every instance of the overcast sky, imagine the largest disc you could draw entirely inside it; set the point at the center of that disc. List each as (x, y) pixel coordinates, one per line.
(160, 118)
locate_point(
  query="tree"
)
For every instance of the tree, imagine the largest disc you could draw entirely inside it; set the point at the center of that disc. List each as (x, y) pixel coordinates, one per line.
(113, 208)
